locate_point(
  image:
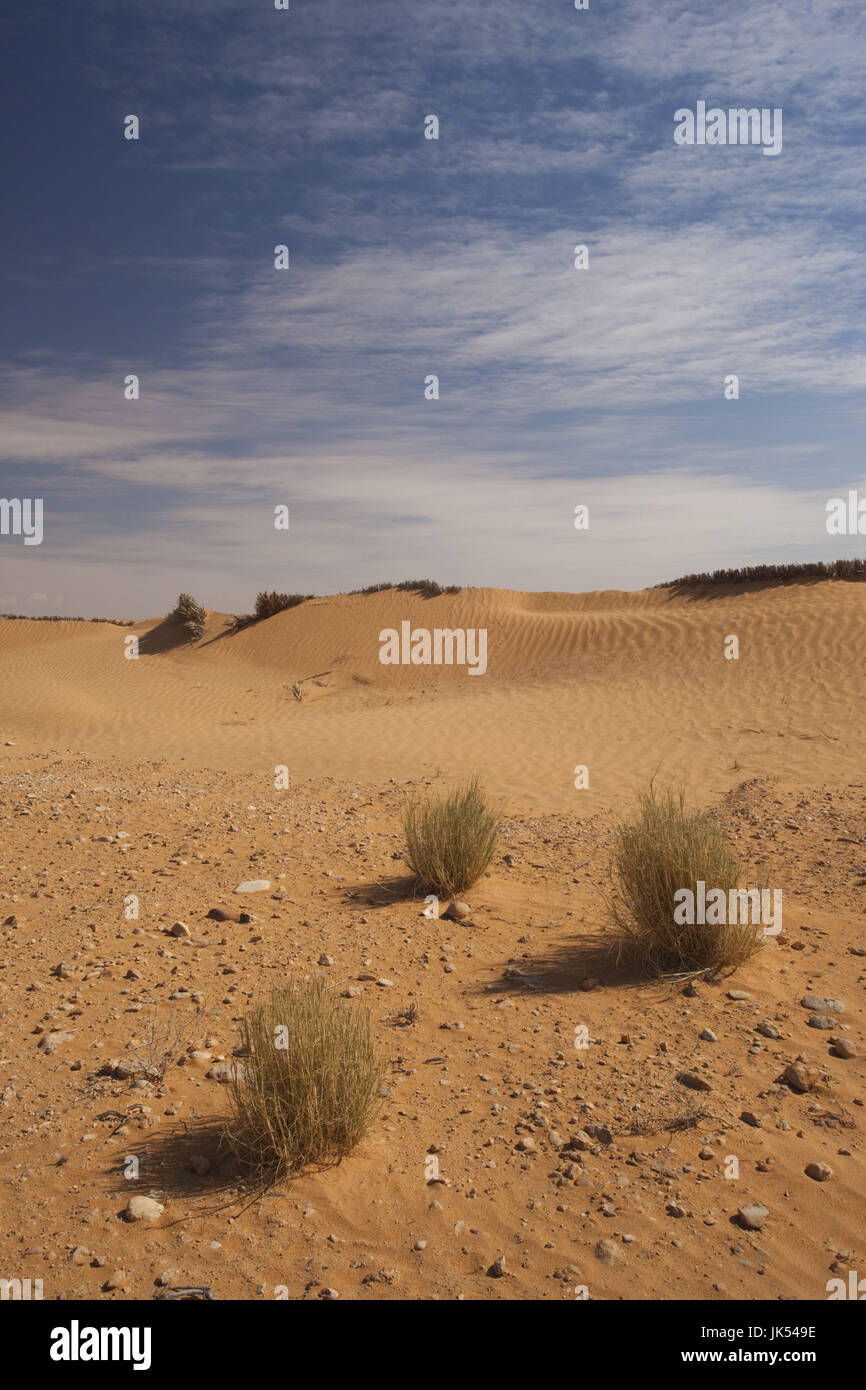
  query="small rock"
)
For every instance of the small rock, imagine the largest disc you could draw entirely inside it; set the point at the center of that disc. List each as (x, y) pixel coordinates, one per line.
(749, 1117)
(420, 1245)
(143, 1209)
(768, 1029)
(254, 885)
(708, 1035)
(224, 1072)
(328, 1294)
(752, 1216)
(819, 1171)
(458, 911)
(325, 959)
(819, 1004)
(608, 1252)
(50, 1042)
(843, 1048)
(526, 1144)
(179, 929)
(824, 1021)
(694, 1081)
(799, 1076)
(79, 1256)
(739, 994)
(497, 1269)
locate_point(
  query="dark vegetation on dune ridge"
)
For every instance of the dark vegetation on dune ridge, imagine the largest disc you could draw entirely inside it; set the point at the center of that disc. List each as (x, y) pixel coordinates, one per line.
(62, 618)
(777, 574)
(268, 603)
(427, 588)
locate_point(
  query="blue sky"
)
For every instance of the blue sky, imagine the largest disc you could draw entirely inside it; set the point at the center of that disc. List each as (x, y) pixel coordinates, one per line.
(412, 257)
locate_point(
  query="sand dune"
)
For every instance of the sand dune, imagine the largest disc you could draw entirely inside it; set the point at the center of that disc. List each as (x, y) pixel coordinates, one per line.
(626, 684)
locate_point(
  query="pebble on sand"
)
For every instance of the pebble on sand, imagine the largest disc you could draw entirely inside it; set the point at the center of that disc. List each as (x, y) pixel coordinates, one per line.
(819, 1171)
(143, 1209)
(752, 1216)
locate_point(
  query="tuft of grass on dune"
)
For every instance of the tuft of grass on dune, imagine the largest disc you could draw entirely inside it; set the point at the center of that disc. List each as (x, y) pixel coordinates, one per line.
(307, 1087)
(665, 849)
(450, 842)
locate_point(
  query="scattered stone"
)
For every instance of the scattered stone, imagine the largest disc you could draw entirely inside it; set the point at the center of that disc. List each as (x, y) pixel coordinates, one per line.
(50, 1042)
(224, 1072)
(608, 1252)
(420, 1245)
(115, 1280)
(526, 1144)
(179, 929)
(497, 1269)
(143, 1209)
(749, 1117)
(819, 1171)
(694, 1081)
(768, 1029)
(708, 1035)
(799, 1076)
(675, 1209)
(818, 1004)
(824, 1021)
(843, 1048)
(328, 1294)
(739, 994)
(79, 1256)
(458, 911)
(254, 885)
(752, 1216)
(325, 959)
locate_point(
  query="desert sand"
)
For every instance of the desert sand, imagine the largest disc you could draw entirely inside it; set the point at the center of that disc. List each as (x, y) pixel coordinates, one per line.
(587, 1169)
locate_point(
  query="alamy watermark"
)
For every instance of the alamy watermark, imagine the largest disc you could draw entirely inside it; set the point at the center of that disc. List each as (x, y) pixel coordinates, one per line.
(22, 516)
(444, 646)
(717, 908)
(737, 126)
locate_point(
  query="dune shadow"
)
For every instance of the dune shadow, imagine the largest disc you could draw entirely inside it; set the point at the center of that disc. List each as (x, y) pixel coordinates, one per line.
(568, 966)
(384, 892)
(167, 636)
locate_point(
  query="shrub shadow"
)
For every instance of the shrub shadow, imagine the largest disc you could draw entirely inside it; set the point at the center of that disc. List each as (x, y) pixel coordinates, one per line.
(565, 967)
(384, 892)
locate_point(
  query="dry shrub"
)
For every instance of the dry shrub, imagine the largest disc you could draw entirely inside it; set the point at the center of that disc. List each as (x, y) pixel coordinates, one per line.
(267, 604)
(191, 614)
(307, 1087)
(450, 843)
(668, 848)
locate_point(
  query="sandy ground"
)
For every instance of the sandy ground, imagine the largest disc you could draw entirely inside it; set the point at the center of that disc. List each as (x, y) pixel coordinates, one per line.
(587, 1168)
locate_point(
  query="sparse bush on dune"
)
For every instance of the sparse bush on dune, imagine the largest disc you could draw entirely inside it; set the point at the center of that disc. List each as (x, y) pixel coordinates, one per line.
(307, 1087)
(427, 588)
(774, 574)
(267, 604)
(666, 849)
(450, 843)
(192, 615)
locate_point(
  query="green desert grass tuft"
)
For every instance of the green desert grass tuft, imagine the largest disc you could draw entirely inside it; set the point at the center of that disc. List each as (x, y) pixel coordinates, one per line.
(450, 842)
(665, 849)
(307, 1087)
